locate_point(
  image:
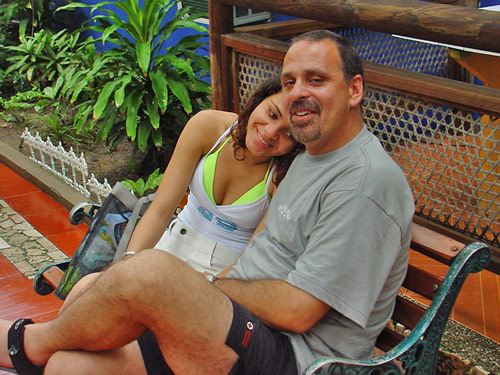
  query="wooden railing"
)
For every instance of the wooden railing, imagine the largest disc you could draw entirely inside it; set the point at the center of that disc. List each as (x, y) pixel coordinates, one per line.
(444, 133)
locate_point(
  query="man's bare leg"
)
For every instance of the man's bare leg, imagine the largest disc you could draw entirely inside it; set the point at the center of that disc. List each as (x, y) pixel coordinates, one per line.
(126, 360)
(152, 290)
(80, 287)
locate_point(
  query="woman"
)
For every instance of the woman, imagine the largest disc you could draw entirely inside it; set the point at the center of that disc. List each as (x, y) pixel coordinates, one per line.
(232, 165)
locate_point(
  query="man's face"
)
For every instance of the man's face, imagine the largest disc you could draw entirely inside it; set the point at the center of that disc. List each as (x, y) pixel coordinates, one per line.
(316, 95)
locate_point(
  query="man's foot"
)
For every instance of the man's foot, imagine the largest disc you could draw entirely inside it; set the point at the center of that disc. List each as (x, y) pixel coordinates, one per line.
(13, 354)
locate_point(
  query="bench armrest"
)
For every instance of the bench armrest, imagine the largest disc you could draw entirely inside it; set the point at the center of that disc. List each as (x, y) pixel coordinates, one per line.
(419, 350)
(78, 213)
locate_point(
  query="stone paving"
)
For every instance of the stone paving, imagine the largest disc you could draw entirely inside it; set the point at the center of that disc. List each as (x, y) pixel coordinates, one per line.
(26, 248)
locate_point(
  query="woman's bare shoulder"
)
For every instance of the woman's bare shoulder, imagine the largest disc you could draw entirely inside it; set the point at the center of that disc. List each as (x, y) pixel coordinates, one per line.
(211, 119)
(208, 125)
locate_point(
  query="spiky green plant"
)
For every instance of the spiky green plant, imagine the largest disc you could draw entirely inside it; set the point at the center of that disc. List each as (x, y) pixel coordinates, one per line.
(143, 90)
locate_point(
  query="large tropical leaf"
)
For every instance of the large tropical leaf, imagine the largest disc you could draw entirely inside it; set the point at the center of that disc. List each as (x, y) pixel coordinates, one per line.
(120, 93)
(109, 121)
(102, 100)
(132, 111)
(144, 55)
(154, 115)
(160, 88)
(143, 135)
(181, 64)
(178, 88)
(157, 138)
(82, 116)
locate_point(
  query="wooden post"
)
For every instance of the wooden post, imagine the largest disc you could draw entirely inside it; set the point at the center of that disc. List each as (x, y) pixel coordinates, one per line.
(221, 21)
(451, 24)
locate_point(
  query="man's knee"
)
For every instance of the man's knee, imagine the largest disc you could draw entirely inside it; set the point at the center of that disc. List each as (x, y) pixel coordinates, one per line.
(144, 274)
(81, 286)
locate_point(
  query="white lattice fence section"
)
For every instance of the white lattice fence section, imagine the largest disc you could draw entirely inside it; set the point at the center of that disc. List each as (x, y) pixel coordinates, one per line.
(71, 168)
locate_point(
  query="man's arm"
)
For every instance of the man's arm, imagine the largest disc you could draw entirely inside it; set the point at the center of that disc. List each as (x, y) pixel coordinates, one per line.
(276, 303)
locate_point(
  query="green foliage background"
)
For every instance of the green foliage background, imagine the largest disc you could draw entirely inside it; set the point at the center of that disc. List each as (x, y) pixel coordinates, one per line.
(139, 90)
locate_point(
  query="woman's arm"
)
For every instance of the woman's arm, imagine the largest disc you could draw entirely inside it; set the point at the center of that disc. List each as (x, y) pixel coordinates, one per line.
(198, 136)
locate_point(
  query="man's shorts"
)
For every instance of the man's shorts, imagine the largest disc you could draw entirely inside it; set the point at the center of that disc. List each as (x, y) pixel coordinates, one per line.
(261, 350)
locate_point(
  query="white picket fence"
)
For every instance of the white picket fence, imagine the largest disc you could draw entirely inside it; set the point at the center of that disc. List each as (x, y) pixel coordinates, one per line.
(65, 164)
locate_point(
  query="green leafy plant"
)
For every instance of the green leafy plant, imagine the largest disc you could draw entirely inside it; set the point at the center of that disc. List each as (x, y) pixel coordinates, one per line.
(25, 18)
(33, 98)
(58, 125)
(16, 12)
(9, 117)
(36, 14)
(139, 187)
(141, 89)
(12, 83)
(44, 56)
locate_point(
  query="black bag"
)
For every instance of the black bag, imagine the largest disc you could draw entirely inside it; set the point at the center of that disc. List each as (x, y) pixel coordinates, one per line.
(107, 238)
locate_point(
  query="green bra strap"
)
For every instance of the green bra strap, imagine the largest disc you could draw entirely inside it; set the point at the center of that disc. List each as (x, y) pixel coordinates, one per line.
(257, 191)
(209, 172)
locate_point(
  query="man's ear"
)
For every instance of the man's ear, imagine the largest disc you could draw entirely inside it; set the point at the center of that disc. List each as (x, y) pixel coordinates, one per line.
(356, 90)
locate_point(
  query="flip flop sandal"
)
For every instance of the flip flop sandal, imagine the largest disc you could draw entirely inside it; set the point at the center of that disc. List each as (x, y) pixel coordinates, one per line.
(15, 346)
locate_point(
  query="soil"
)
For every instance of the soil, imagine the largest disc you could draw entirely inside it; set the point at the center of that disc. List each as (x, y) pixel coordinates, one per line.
(102, 162)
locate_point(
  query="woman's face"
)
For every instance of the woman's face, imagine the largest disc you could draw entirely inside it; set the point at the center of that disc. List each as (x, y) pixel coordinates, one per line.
(268, 130)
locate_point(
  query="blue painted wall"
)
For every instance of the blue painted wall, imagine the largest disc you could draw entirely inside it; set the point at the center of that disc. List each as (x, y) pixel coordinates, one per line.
(488, 3)
(86, 14)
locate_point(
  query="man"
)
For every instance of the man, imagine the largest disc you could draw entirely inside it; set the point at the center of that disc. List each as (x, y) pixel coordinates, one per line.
(320, 279)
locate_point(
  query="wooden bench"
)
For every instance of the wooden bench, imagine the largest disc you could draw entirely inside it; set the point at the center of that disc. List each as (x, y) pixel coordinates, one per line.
(412, 338)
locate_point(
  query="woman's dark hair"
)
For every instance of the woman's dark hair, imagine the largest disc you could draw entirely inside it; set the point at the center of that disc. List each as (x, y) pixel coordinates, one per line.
(239, 132)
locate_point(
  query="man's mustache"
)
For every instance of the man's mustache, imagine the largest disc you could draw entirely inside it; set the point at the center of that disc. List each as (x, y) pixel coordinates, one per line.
(303, 105)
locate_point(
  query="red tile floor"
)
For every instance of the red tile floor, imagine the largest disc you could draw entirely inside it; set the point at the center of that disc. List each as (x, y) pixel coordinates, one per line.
(478, 305)
(17, 297)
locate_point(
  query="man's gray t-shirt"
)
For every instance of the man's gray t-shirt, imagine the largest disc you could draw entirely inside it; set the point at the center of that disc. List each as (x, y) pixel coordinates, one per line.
(339, 228)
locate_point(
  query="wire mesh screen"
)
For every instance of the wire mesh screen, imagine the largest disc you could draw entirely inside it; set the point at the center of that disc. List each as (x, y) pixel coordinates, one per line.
(251, 72)
(398, 52)
(450, 156)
